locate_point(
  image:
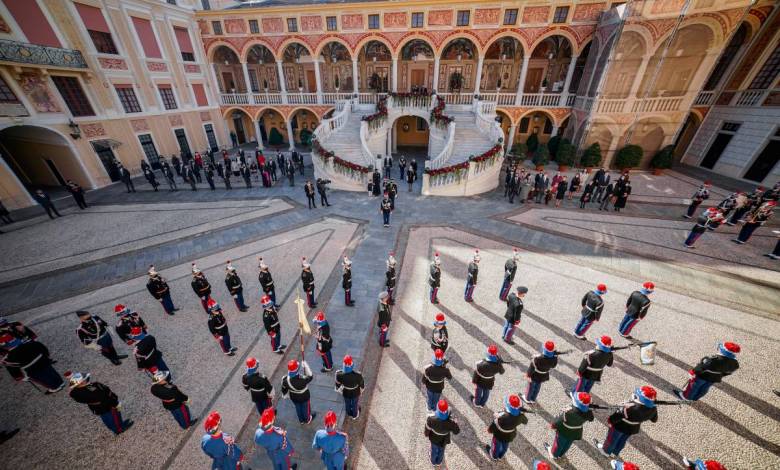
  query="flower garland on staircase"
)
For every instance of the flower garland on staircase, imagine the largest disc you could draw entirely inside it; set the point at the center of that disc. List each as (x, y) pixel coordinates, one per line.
(342, 166)
(437, 117)
(377, 119)
(458, 169)
(415, 98)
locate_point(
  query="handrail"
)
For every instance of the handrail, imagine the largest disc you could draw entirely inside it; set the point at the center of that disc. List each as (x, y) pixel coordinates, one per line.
(449, 147)
(334, 123)
(368, 157)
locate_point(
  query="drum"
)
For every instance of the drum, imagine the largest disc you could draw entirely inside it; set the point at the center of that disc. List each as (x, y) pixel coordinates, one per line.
(647, 353)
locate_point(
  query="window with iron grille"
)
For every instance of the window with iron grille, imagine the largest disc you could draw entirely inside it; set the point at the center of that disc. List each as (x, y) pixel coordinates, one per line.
(510, 16)
(331, 23)
(149, 149)
(524, 125)
(373, 21)
(254, 27)
(168, 98)
(103, 42)
(188, 57)
(6, 94)
(73, 95)
(127, 97)
(217, 27)
(768, 72)
(418, 19)
(292, 25)
(463, 17)
(205, 4)
(561, 13)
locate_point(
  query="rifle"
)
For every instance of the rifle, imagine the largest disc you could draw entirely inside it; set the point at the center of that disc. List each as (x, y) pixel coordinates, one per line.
(672, 402)
(618, 348)
(561, 353)
(604, 407)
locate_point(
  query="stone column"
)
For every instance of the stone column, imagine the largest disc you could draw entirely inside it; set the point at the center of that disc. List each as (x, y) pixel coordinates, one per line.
(478, 80)
(282, 85)
(247, 82)
(259, 137)
(395, 74)
(521, 84)
(510, 140)
(355, 80)
(567, 83)
(318, 80)
(436, 75)
(554, 131)
(290, 135)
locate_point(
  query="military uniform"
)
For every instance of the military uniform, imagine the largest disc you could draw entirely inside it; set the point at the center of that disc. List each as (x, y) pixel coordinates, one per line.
(160, 291)
(128, 320)
(504, 427)
(346, 282)
(296, 387)
(201, 287)
(434, 376)
(220, 447)
(93, 333)
(174, 401)
(440, 338)
(539, 370)
(307, 278)
(324, 343)
(593, 364)
(471, 278)
(636, 308)
(147, 357)
(390, 278)
(568, 426)
(710, 370)
(273, 328)
(484, 376)
(258, 385)
(510, 269)
(236, 289)
(514, 312)
(350, 384)
(267, 281)
(592, 306)
(274, 440)
(219, 329)
(438, 428)
(627, 421)
(29, 360)
(101, 401)
(333, 446)
(699, 196)
(434, 280)
(384, 319)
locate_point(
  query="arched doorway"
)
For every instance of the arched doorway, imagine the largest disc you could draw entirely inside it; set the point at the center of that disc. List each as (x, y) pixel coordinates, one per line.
(43, 159)
(686, 135)
(548, 66)
(273, 129)
(230, 75)
(262, 70)
(375, 62)
(303, 122)
(336, 68)
(501, 67)
(537, 123)
(650, 136)
(629, 54)
(410, 136)
(458, 67)
(416, 67)
(299, 73)
(240, 125)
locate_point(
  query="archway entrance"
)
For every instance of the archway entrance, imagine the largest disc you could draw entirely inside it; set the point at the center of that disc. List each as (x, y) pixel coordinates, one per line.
(410, 136)
(42, 158)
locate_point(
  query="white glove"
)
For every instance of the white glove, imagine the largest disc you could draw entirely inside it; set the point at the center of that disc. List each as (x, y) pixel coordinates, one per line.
(306, 369)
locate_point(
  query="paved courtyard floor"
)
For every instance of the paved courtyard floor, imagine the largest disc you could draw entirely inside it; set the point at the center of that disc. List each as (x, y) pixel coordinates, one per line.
(96, 258)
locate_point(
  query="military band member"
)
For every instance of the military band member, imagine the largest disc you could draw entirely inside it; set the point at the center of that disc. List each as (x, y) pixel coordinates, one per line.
(201, 287)
(346, 282)
(539, 371)
(160, 290)
(126, 321)
(701, 194)
(700, 464)
(627, 421)
(390, 277)
(17, 330)
(100, 399)
(147, 357)
(510, 269)
(350, 384)
(220, 447)
(307, 277)
(234, 286)
(272, 325)
(219, 328)
(29, 361)
(708, 220)
(384, 319)
(324, 341)
(504, 427)
(593, 364)
(438, 428)
(332, 444)
(514, 311)
(274, 440)
(434, 376)
(592, 306)
(636, 308)
(568, 426)
(295, 386)
(266, 281)
(434, 278)
(471, 277)
(484, 376)
(93, 334)
(710, 370)
(172, 398)
(258, 385)
(439, 337)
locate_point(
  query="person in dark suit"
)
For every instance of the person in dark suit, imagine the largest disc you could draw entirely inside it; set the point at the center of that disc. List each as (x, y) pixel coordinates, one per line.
(45, 201)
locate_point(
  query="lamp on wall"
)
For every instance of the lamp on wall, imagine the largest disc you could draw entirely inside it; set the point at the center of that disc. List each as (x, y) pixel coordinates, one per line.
(75, 131)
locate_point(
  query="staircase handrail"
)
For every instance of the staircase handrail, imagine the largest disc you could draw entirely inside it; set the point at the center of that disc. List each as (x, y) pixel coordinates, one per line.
(446, 152)
(334, 123)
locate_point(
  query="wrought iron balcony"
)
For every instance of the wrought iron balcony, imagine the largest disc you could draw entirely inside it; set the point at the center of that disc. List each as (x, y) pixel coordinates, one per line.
(24, 53)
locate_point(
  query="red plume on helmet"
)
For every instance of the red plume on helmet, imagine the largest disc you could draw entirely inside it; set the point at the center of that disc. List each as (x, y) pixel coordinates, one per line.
(330, 419)
(211, 424)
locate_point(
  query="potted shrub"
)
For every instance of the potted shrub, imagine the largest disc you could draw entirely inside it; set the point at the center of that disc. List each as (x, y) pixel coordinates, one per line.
(374, 82)
(532, 143)
(541, 156)
(566, 155)
(629, 157)
(520, 150)
(662, 160)
(456, 82)
(553, 144)
(591, 157)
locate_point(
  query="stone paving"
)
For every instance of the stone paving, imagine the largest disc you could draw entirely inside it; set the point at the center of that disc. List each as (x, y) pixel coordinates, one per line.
(559, 266)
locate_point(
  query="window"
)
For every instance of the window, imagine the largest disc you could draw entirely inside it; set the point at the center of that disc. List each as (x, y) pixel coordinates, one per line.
(205, 4)
(766, 161)
(510, 16)
(145, 32)
(766, 76)
(6, 94)
(149, 150)
(292, 25)
(98, 30)
(127, 97)
(169, 100)
(200, 94)
(418, 19)
(73, 95)
(373, 21)
(253, 81)
(561, 13)
(422, 125)
(185, 45)
(719, 144)
(524, 125)
(731, 126)
(548, 126)
(463, 18)
(171, 2)
(103, 42)
(254, 27)
(217, 27)
(331, 23)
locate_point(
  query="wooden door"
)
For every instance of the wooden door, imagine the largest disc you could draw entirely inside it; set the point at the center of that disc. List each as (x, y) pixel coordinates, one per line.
(532, 80)
(311, 81)
(228, 82)
(417, 78)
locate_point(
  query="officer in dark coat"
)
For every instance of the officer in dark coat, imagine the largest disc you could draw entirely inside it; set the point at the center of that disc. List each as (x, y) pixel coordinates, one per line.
(350, 384)
(307, 278)
(390, 277)
(384, 319)
(258, 385)
(514, 311)
(510, 269)
(271, 324)
(434, 376)
(484, 376)
(324, 341)
(346, 282)
(439, 337)
(17, 330)
(593, 364)
(434, 278)
(295, 386)
(636, 308)
(201, 287)
(234, 286)
(160, 290)
(710, 370)
(93, 333)
(266, 281)
(29, 360)
(126, 321)
(539, 371)
(471, 277)
(568, 426)
(100, 399)
(210, 176)
(172, 398)
(219, 328)
(438, 428)
(504, 427)
(592, 306)
(147, 357)
(626, 422)
(701, 195)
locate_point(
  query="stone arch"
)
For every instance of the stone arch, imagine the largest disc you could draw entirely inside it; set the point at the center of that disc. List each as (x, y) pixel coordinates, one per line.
(231, 109)
(272, 125)
(358, 49)
(649, 133)
(540, 122)
(282, 48)
(464, 34)
(502, 64)
(405, 131)
(257, 42)
(458, 57)
(627, 59)
(214, 47)
(332, 39)
(549, 63)
(379, 64)
(556, 32)
(506, 122)
(396, 51)
(335, 63)
(524, 50)
(240, 124)
(303, 121)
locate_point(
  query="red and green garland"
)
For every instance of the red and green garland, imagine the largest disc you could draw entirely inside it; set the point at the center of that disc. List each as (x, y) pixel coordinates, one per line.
(378, 118)
(489, 155)
(342, 165)
(458, 168)
(440, 120)
(411, 99)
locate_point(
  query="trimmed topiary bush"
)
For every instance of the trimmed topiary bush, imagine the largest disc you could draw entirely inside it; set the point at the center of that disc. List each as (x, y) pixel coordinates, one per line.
(566, 153)
(520, 150)
(541, 156)
(629, 156)
(592, 156)
(275, 137)
(663, 159)
(532, 143)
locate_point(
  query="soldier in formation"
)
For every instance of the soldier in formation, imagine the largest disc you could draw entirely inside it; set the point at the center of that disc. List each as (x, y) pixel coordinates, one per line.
(504, 427)
(510, 269)
(485, 375)
(147, 357)
(201, 287)
(234, 286)
(274, 440)
(471, 277)
(514, 311)
(28, 360)
(307, 278)
(126, 321)
(266, 281)
(384, 319)
(272, 325)
(93, 334)
(346, 282)
(627, 421)
(350, 384)
(159, 289)
(434, 278)
(636, 308)
(568, 426)
(221, 448)
(324, 341)
(592, 306)
(710, 370)
(439, 336)
(332, 443)
(219, 328)
(593, 364)
(701, 195)
(295, 386)
(539, 371)
(438, 429)
(100, 400)
(390, 277)
(258, 385)
(434, 376)
(172, 398)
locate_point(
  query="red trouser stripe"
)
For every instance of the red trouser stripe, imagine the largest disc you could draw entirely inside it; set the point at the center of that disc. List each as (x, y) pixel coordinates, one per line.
(117, 421)
(186, 414)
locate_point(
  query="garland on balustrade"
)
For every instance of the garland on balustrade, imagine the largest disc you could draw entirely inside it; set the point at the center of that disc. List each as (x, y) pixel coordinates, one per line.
(415, 98)
(376, 120)
(488, 156)
(437, 117)
(341, 165)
